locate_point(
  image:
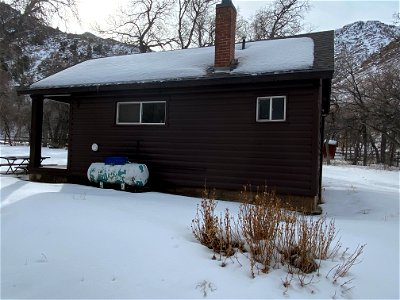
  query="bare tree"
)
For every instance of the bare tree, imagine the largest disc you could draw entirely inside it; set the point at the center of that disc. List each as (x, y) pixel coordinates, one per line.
(193, 16)
(350, 84)
(143, 23)
(205, 30)
(384, 101)
(280, 18)
(14, 111)
(7, 113)
(365, 113)
(243, 28)
(45, 10)
(396, 18)
(21, 24)
(55, 123)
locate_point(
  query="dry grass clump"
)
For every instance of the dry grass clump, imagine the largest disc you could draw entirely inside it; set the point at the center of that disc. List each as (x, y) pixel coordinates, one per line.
(259, 223)
(316, 235)
(205, 223)
(272, 235)
(213, 232)
(307, 239)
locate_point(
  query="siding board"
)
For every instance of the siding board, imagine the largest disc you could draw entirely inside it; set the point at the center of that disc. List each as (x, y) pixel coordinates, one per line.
(210, 135)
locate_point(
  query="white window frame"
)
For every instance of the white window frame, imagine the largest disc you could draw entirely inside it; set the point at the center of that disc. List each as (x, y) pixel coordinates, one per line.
(140, 112)
(271, 98)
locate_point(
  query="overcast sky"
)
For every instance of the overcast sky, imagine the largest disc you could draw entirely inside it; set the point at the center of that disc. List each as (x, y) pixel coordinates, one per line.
(324, 15)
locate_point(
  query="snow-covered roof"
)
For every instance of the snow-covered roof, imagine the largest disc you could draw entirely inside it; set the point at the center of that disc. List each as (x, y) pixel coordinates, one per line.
(280, 55)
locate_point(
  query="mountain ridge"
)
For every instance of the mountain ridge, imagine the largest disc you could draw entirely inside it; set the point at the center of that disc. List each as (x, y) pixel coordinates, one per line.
(31, 51)
(35, 51)
(363, 39)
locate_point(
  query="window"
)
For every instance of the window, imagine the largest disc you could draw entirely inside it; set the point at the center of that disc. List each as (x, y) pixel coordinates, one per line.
(271, 109)
(141, 112)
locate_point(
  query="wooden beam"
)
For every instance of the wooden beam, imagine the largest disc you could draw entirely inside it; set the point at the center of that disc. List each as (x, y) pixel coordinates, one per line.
(184, 83)
(36, 132)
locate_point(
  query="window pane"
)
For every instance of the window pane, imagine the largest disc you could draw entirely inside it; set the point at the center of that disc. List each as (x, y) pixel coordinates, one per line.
(278, 108)
(263, 109)
(153, 112)
(128, 112)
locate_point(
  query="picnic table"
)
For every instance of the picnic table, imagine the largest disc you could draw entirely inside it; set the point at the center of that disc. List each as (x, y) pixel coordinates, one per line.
(17, 163)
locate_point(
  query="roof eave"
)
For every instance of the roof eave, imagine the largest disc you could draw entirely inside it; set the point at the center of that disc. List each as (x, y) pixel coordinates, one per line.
(204, 81)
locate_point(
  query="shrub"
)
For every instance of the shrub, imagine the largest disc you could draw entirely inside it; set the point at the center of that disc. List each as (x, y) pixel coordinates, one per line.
(205, 224)
(305, 239)
(271, 234)
(259, 224)
(213, 232)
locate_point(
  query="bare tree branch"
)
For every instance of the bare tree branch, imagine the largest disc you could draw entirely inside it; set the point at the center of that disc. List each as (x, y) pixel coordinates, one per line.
(281, 18)
(143, 23)
(191, 18)
(45, 11)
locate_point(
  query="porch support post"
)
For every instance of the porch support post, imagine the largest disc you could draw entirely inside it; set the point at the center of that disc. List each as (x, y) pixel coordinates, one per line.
(321, 157)
(36, 131)
(325, 96)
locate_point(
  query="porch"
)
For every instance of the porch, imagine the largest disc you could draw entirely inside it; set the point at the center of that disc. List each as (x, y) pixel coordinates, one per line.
(50, 174)
(53, 172)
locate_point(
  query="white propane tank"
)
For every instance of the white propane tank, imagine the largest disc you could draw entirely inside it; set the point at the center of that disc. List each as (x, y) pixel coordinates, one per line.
(130, 174)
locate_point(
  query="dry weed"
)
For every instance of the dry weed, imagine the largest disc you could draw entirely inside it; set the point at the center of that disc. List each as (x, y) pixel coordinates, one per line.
(271, 234)
(213, 232)
(259, 225)
(205, 224)
(344, 268)
(224, 242)
(305, 239)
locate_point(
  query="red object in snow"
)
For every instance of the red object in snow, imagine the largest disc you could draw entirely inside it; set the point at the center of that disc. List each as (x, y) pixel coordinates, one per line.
(332, 145)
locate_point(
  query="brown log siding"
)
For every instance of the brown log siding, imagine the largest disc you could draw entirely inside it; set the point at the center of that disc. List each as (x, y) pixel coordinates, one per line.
(211, 135)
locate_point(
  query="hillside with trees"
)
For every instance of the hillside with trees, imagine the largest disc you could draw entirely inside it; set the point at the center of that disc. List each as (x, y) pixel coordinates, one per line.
(31, 50)
(365, 107)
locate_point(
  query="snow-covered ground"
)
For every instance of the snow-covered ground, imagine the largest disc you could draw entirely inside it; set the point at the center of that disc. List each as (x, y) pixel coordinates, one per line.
(71, 241)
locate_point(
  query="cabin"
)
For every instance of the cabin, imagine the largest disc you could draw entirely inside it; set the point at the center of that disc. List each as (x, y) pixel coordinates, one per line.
(224, 116)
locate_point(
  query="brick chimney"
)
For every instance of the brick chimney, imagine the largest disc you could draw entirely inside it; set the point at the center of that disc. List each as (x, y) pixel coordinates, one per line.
(225, 27)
